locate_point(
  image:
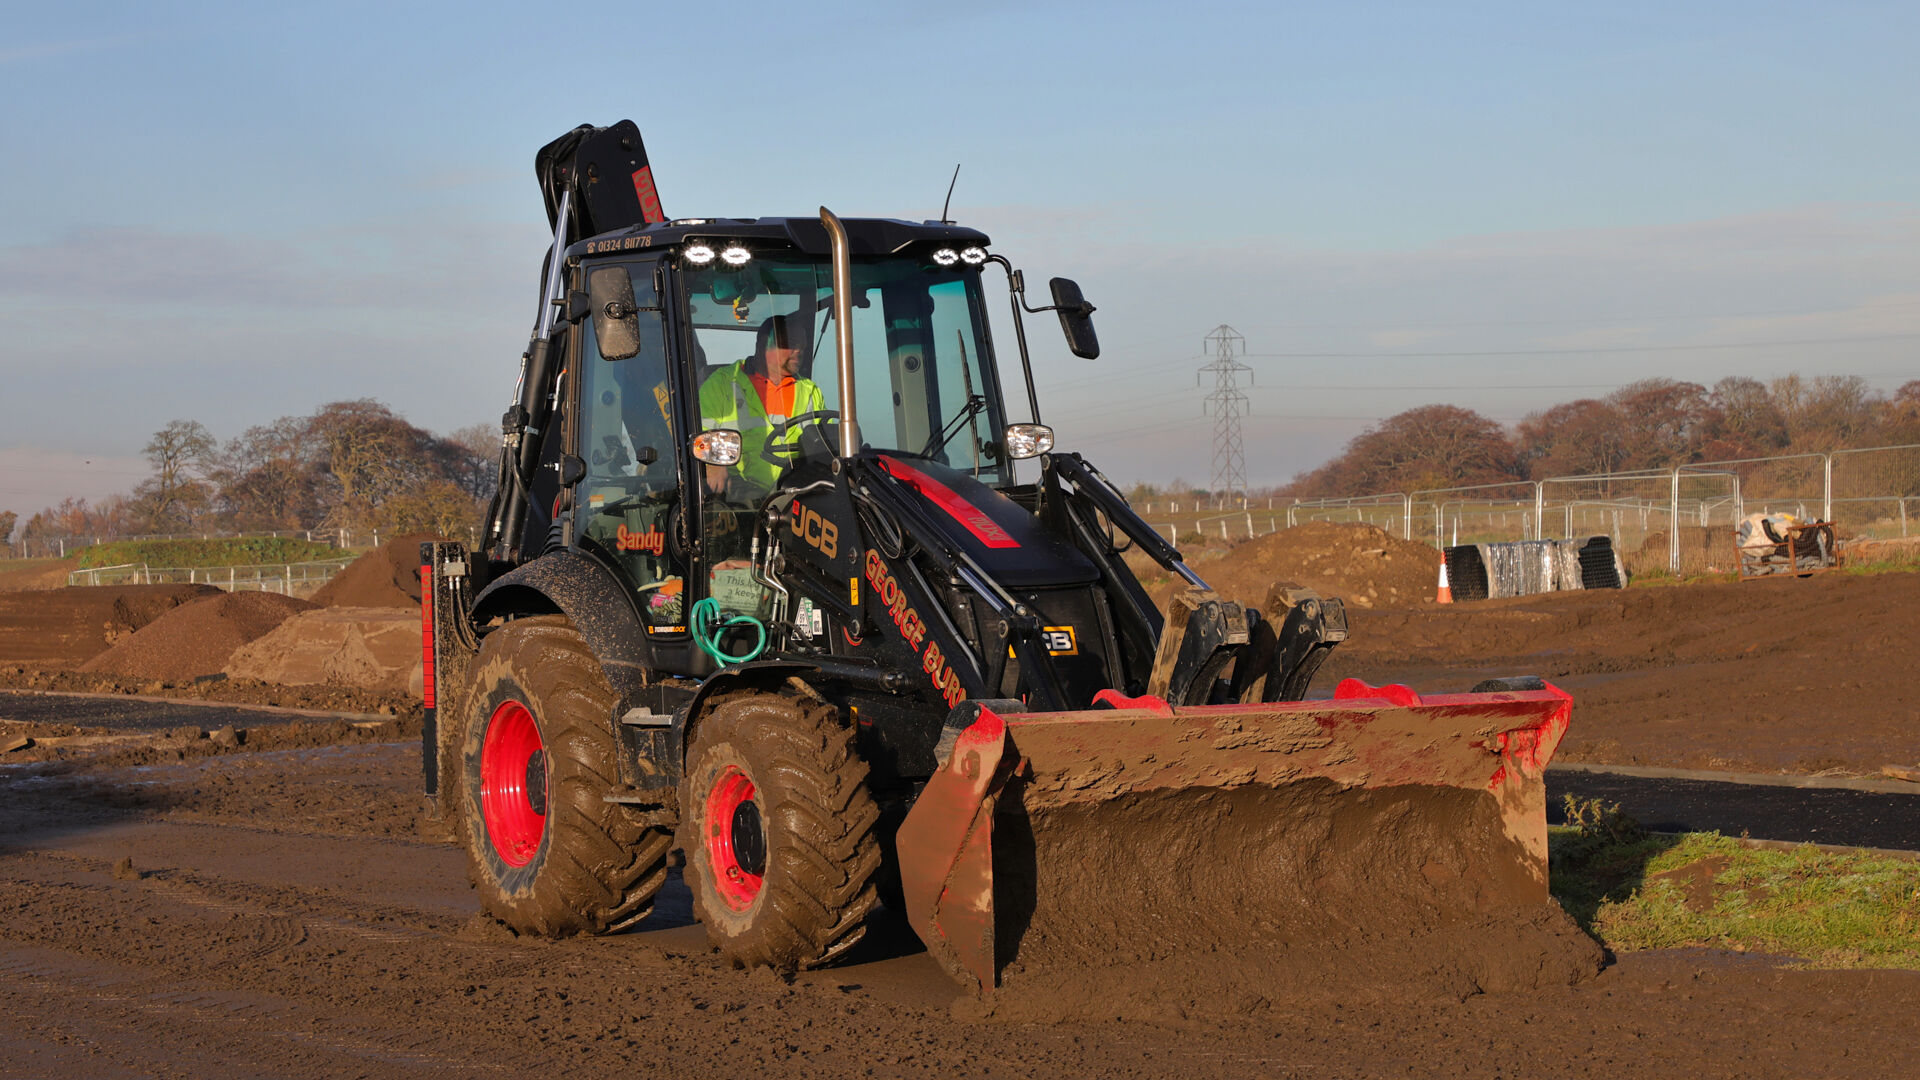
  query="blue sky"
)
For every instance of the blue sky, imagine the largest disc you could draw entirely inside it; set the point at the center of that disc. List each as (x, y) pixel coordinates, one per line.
(234, 212)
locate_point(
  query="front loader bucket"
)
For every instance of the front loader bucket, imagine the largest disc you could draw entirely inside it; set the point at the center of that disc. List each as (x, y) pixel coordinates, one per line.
(1139, 832)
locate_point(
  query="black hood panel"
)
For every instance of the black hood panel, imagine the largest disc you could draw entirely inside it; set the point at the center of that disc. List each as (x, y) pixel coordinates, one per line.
(994, 531)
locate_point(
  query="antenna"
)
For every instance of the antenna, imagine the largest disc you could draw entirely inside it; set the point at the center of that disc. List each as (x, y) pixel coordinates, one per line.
(943, 206)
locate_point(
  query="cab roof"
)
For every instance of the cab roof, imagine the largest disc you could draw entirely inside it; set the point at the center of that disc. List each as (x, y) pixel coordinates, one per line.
(865, 236)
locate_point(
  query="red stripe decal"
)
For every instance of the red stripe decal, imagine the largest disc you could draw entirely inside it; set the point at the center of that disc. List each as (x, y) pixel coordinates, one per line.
(649, 196)
(426, 635)
(983, 528)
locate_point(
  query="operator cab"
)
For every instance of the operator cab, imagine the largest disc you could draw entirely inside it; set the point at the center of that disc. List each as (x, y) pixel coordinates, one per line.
(679, 342)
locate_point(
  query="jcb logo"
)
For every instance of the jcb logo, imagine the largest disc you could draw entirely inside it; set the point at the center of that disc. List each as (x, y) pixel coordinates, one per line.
(816, 530)
(1057, 640)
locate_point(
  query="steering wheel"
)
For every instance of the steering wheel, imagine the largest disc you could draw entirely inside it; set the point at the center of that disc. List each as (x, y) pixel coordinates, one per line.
(780, 455)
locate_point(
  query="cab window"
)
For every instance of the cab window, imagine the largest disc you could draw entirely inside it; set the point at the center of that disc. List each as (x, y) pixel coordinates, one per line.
(626, 438)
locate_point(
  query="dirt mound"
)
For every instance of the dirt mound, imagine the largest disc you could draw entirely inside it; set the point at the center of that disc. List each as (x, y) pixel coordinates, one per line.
(195, 639)
(38, 575)
(374, 648)
(387, 576)
(66, 627)
(1363, 565)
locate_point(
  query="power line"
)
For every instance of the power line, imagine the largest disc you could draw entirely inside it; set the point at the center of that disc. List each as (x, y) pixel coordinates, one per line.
(1599, 320)
(1158, 365)
(1608, 349)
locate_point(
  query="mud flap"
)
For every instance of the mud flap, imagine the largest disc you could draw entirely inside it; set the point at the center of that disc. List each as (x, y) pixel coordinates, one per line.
(1066, 834)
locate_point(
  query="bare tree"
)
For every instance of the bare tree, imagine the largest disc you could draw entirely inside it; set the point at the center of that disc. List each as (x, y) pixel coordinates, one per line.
(270, 477)
(369, 455)
(470, 457)
(177, 492)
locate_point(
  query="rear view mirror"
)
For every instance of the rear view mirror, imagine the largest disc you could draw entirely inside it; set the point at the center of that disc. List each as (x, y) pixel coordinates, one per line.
(1076, 318)
(616, 324)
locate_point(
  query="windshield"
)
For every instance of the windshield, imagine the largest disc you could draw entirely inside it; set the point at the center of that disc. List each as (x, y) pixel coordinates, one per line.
(922, 361)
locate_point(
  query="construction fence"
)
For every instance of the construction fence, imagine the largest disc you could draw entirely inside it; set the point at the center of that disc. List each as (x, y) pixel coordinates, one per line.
(59, 547)
(288, 579)
(1680, 519)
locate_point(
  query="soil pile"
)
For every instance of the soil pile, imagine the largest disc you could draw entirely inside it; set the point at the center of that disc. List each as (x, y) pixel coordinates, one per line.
(195, 639)
(66, 627)
(1363, 565)
(41, 575)
(375, 648)
(387, 576)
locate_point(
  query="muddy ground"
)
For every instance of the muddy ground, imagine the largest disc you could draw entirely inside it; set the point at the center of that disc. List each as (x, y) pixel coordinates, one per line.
(263, 901)
(1795, 675)
(272, 912)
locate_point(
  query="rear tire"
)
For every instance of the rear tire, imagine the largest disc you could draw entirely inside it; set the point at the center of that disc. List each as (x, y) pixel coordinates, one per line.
(546, 851)
(778, 829)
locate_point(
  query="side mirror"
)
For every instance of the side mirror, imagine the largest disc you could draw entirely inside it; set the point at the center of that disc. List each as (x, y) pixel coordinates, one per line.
(616, 323)
(1076, 318)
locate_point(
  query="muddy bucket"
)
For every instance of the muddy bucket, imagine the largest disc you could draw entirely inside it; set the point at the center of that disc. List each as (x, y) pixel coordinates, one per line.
(1140, 833)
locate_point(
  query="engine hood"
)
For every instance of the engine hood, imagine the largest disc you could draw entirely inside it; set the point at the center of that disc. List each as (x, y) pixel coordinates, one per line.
(993, 530)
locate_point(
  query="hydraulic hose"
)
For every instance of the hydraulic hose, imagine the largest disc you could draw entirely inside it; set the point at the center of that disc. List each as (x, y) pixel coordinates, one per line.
(707, 636)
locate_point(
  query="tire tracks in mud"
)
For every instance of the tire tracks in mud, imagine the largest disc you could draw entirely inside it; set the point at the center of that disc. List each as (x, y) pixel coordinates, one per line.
(212, 999)
(210, 1030)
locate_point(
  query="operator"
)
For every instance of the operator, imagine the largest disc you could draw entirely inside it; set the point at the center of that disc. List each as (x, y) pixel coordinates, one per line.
(754, 394)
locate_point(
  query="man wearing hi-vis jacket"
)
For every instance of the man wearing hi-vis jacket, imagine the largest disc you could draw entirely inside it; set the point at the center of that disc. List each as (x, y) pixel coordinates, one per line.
(754, 394)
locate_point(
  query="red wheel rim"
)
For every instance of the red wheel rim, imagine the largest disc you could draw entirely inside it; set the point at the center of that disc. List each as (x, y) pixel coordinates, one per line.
(513, 784)
(730, 806)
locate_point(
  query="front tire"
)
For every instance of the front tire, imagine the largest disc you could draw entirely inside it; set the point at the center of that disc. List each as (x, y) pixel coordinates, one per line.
(778, 829)
(546, 851)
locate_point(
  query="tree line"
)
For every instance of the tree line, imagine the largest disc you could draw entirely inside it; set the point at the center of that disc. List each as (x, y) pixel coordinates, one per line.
(1650, 424)
(351, 465)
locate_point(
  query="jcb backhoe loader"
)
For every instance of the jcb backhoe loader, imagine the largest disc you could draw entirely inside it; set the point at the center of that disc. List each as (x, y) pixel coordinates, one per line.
(777, 576)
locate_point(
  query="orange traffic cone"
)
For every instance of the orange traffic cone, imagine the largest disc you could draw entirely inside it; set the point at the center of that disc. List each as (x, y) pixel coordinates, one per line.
(1445, 595)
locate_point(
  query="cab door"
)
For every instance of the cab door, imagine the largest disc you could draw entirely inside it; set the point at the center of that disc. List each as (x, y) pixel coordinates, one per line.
(626, 435)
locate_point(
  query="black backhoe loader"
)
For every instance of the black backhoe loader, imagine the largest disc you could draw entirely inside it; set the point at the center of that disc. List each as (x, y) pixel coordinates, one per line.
(776, 577)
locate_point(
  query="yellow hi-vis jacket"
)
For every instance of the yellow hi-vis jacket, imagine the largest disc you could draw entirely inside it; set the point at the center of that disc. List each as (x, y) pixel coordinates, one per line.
(728, 400)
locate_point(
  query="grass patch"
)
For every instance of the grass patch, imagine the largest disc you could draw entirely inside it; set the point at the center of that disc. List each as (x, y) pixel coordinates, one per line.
(1632, 890)
(1660, 575)
(1879, 566)
(232, 551)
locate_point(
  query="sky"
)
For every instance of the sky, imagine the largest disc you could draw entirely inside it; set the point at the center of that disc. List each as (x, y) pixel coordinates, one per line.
(231, 213)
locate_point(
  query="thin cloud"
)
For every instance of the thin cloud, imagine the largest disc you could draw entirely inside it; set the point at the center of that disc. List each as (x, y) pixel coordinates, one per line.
(42, 50)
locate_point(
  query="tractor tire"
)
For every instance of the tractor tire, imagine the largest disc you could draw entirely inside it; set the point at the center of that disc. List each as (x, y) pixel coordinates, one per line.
(778, 828)
(546, 851)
